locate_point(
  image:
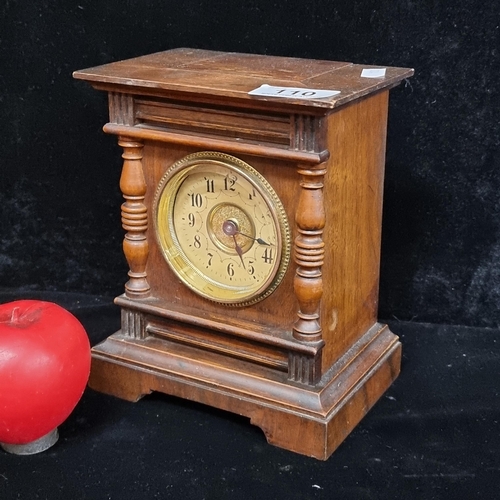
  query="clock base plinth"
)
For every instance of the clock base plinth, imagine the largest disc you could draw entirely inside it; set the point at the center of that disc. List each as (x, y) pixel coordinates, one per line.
(310, 420)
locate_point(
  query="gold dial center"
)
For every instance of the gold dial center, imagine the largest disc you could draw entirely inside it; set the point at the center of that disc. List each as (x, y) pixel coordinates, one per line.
(226, 224)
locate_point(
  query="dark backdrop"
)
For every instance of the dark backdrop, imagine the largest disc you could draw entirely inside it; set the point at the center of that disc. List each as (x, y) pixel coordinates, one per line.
(59, 197)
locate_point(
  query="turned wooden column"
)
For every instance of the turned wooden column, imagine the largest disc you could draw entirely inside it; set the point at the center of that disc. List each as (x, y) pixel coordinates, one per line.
(309, 250)
(134, 218)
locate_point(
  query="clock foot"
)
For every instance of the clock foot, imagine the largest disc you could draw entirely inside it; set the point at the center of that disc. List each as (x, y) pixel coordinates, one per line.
(319, 436)
(310, 420)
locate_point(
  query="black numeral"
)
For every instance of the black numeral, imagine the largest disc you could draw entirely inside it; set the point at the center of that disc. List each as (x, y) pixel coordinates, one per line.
(250, 268)
(210, 185)
(267, 256)
(196, 200)
(229, 182)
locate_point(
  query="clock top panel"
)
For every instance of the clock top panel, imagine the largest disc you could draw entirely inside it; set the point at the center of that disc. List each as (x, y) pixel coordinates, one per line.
(188, 73)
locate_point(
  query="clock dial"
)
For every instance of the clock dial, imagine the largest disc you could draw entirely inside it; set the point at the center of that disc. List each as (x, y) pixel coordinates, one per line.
(222, 228)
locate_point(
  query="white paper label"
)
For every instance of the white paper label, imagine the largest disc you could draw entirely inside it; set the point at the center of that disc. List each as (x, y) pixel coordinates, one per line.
(373, 73)
(293, 92)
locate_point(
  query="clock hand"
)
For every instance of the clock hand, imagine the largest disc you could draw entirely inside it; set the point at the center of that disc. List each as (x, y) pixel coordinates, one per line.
(260, 241)
(231, 229)
(239, 251)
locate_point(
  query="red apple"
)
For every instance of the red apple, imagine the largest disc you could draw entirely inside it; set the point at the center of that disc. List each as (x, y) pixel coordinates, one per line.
(44, 368)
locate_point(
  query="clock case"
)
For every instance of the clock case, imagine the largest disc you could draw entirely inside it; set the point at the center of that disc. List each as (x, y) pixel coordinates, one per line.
(306, 363)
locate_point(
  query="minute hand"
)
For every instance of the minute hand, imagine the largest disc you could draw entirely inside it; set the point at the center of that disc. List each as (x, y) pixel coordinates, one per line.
(239, 251)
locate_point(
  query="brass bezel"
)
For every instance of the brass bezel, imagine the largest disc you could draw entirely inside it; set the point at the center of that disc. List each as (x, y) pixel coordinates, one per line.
(189, 273)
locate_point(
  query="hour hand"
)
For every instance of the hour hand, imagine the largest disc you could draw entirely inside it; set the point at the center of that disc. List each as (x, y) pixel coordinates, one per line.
(260, 241)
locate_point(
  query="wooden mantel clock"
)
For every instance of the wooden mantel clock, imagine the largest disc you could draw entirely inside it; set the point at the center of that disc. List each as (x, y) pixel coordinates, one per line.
(253, 227)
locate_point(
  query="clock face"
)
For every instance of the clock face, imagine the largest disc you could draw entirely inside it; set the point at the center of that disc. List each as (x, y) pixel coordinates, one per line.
(222, 228)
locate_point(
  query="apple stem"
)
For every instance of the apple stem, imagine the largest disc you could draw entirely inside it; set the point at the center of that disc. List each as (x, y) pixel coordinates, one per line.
(14, 318)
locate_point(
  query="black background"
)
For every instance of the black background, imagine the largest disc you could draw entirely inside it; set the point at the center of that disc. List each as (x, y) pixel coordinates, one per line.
(59, 194)
(435, 433)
